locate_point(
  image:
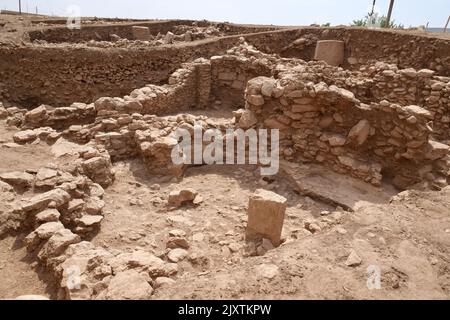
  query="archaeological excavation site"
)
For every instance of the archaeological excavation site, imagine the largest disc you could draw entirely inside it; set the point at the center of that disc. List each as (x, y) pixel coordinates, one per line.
(93, 206)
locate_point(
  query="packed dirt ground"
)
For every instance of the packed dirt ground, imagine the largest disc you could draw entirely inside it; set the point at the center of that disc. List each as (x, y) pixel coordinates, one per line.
(92, 207)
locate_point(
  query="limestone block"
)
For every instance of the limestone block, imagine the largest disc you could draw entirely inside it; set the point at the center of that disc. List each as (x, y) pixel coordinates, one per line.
(141, 33)
(266, 216)
(330, 51)
(168, 39)
(248, 119)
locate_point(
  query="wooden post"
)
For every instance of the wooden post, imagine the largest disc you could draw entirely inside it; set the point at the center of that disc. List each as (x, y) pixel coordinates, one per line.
(389, 15)
(20, 7)
(446, 25)
(373, 8)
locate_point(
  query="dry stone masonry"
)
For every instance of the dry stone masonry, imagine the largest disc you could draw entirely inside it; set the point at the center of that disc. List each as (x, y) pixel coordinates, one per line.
(335, 106)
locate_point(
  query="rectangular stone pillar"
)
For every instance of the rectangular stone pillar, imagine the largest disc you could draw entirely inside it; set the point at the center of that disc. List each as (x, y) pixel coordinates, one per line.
(266, 211)
(141, 33)
(330, 51)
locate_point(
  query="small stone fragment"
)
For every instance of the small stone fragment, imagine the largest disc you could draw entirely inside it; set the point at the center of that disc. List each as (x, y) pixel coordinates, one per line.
(353, 259)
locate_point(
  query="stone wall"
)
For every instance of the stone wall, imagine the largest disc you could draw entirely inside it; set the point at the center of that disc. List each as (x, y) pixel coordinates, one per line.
(59, 76)
(187, 88)
(321, 110)
(410, 86)
(328, 125)
(381, 81)
(230, 74)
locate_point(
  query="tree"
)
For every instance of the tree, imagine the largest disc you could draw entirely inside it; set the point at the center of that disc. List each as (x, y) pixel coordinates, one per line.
(381, 22)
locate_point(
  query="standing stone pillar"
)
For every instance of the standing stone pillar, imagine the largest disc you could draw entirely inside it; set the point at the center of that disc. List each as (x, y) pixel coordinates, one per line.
(330, 51)
(266, 211)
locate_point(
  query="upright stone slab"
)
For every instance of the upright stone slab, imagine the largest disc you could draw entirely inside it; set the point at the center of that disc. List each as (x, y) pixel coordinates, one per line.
(141, 33)
(266, 216)
(330, 51)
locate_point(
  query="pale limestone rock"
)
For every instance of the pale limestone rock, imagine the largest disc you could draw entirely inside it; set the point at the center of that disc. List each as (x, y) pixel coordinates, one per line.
(168, 39)
(360, 132)
(46, 177)
(418, 112)
(49, 215)
(312, 226)
(36, 114)
(248, 119)
(409, 72)
(436, 150)
(45, 174)
(267, 87)
(425, 73)
(268, 271)
(89, 221)
(41, 201)
(256, 100)
(94, 205)
(163, 281)
(18, 179)
(177, 242)
(146, 260)
(56, 245)
(75, 205)
(47, 230)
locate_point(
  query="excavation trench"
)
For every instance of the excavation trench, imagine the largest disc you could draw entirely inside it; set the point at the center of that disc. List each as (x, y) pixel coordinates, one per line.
(341, 139)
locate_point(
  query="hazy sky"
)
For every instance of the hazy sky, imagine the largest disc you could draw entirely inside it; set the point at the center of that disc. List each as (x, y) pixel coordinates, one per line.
(281, 12)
